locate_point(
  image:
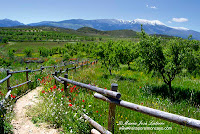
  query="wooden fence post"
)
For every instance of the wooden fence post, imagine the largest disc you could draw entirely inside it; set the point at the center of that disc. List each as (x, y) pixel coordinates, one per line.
(27, 76)
(112, 107)
(54, 67)
(67, 70)
(41, 69)
(8, 80)
(56, 73)
(65, 85)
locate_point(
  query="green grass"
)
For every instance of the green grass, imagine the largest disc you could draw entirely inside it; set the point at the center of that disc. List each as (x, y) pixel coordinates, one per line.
(130, 85)
(20, 46)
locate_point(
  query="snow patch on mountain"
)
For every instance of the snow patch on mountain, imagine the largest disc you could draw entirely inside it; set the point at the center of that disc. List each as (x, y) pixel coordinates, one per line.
(150, 22)
(180, 28)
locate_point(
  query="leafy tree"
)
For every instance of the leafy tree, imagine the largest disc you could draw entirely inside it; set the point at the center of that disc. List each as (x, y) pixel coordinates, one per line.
(108, 54)
(28, 52)
(66, 57)
(11, 53)
(4, 40)
(168, 59)
(126, 53)
(44, 52)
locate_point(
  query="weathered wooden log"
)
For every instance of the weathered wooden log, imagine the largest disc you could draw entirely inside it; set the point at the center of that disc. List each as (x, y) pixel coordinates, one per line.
(94, 131)
(6, 78)
(57, 79)
(19, 84)
(113, 94)
(14, 72)
(6, 97)
(96, 125)
(111, 114)
(181, 120)
(65, 85)
(27, 76)
(36, 70)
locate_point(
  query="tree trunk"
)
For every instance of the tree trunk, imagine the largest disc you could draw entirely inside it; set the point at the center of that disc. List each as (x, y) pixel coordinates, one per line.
(170, 87)
(110, 71)
(129, 66)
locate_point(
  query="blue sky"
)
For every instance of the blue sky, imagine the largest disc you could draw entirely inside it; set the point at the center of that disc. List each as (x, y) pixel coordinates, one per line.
(176, 13)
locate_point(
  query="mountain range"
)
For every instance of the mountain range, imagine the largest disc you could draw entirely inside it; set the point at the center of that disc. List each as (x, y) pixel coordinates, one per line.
(150, 27)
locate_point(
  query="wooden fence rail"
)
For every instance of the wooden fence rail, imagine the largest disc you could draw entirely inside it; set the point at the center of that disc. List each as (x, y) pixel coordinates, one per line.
(181, 120)
(14, 72)
(93, 88)
(20, 84)
(4, 79)
(9, 74)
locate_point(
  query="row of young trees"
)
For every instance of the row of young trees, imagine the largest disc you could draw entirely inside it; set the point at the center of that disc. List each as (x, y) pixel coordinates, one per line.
(166, 57)
(38, 35)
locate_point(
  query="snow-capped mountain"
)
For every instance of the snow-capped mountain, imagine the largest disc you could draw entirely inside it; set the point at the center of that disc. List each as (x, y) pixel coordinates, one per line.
(150, 26)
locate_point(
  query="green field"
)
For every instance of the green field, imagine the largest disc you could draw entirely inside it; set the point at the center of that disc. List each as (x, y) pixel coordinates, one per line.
(160, 73)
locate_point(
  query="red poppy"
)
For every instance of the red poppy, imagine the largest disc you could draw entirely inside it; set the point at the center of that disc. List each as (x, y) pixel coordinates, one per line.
(38, 79)
(62, 89)
(142, 103)
(97, 111)
(70, 100)
(70, 105)
(76, 94)
(105, 88)
(43, 91)
(140, 87)
(51, 89)
(83, 100)
(63, 96)
(12, 96)
(54, 87)
(67, 84)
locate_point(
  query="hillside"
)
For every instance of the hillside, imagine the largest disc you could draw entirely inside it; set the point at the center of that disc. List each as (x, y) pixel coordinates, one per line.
(150, 26)
(114, 33)
(50, 33)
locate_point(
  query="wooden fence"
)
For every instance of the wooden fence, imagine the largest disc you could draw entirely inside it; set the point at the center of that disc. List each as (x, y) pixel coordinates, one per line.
(113, 98)
(27, 71)
(110, 96)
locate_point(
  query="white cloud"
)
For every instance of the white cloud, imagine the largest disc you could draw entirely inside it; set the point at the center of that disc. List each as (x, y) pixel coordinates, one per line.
(179, 19)
(169, 22)
(152, 7)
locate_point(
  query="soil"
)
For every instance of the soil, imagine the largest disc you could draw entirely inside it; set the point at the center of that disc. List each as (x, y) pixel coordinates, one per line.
(22, 123)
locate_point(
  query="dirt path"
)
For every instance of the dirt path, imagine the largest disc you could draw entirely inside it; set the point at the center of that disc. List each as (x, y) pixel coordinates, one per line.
(22, 123)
